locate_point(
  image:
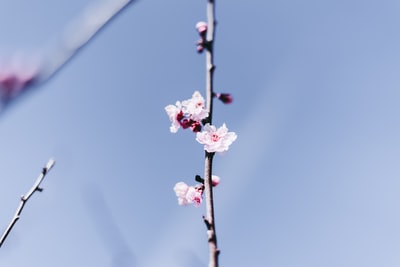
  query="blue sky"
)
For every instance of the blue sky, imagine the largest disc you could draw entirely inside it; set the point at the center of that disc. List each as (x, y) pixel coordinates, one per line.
(312, 180)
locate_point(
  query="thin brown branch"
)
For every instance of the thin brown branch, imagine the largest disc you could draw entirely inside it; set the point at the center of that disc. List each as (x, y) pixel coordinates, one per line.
(210, 67)
(210, 218)
(208, 188)
(25, 198)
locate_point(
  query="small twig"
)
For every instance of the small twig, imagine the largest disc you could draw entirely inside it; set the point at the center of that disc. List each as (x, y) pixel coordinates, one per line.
(26, 197)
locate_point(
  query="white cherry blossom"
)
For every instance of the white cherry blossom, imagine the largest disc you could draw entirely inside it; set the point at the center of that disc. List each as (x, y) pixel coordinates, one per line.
(195, 107)
(215, 140)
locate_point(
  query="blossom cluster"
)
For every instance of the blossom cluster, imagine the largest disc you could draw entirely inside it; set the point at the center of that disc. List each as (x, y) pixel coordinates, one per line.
(190, 113)
(187, 114)
(192, 194)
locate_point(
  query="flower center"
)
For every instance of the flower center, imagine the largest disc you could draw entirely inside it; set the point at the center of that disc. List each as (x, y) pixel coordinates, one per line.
(214, 137)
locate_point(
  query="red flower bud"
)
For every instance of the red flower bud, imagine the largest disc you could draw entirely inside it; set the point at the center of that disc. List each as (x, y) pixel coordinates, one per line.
(225, 98)
(196, 127)
(185, 123)
(200, 49)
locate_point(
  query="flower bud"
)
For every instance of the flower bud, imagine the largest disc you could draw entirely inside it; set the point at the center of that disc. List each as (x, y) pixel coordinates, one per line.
(200, 49)
(201, 28)
(215, 180)
(196, 127)
(225, 98)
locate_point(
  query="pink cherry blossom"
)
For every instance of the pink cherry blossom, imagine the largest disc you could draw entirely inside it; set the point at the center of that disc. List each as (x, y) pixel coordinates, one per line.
(189, 194)
(195, 195)
(195, 107)
(187, 114)
(216, 140)
(173, 112)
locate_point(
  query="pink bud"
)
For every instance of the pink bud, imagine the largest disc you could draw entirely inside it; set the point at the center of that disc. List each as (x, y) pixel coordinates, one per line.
(225, 98)
(215, 180)
(196, 126)
(200, 48)
(185, 123)
(201, 27)
(179, 116)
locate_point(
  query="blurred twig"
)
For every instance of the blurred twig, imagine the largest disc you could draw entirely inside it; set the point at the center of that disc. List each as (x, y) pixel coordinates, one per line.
(26, 197)
(76, 35)
(80, 31)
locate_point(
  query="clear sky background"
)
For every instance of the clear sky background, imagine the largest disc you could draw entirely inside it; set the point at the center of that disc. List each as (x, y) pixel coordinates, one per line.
(311, 181)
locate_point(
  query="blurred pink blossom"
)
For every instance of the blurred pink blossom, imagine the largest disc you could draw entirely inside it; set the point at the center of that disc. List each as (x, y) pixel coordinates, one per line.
(13, 81)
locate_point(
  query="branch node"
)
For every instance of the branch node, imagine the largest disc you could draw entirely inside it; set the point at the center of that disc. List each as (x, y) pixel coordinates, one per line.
(39, 189)
(207, 222)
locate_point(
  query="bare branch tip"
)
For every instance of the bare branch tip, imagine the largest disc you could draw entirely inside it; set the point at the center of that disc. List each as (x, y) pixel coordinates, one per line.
(50, 164)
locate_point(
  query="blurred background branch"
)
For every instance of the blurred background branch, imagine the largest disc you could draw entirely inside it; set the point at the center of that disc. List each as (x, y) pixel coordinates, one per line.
(16, 80)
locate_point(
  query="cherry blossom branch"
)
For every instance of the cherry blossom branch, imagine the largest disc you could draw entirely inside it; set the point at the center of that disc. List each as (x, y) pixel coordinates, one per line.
(208, 188)
(195, 115)
(25, 199)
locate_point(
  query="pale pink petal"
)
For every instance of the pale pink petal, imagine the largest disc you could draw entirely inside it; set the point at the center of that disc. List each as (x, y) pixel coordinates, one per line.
(195, 107)
(172, 112)
(195, 195)
(181, 189)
